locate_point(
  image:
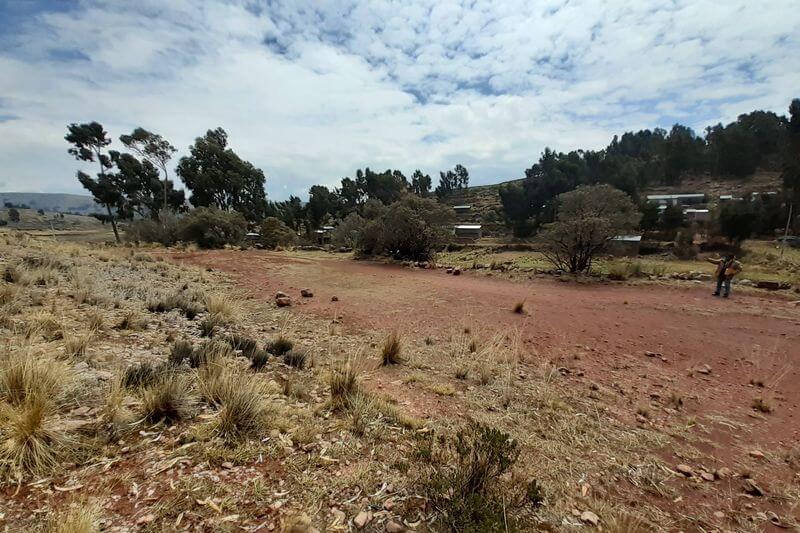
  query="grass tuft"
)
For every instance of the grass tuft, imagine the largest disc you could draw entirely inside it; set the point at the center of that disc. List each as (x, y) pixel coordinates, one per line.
(519, 308)
(391, 349)
(81, 518)
(279, 346)
(168, 399)
(296, 358)
(31, 443)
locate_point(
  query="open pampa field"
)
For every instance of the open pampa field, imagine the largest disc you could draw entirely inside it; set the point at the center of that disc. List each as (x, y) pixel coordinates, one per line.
(153, 389)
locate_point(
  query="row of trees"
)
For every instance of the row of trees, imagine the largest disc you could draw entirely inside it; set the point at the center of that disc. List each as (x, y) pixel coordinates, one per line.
(137, 182)
(635, 161)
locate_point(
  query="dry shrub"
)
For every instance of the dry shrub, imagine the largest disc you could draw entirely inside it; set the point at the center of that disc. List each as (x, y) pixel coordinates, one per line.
(279, 346)
(142, 374)
(131, 320)
(45, 325)
(96, 322)
(164, 303)
(182, 350)
(762, 405)
(115, 416)
(390, 351)
(259, 359)
(208, 326)
(244, 344)
(296, 358)
(80, 518)
(212, 380)
(244, 409)
(169, 398)
(519, 308)
(210, 352)
(23, 375)
(225, 307)
(9, 294)
(343, 382)
(75, 345)
(31, 443)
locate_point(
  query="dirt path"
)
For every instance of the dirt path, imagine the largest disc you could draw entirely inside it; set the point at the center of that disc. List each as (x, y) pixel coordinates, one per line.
(746, 340)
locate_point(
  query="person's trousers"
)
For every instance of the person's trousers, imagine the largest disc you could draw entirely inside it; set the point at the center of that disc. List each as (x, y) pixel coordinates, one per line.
(724, 281)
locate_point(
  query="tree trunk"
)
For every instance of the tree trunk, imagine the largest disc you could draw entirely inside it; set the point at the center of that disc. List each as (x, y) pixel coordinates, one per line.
(788, 223)
(113, 223)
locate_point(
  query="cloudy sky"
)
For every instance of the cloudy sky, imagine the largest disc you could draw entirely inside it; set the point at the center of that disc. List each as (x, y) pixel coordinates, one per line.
(311, 90)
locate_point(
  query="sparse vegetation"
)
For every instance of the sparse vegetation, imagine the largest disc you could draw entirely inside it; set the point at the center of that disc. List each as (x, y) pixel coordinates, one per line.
(168, 398)
(279, 346)
(391, 349)
(296, 358)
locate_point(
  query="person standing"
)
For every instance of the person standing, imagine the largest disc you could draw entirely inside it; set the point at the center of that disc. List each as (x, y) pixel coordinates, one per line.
(727, 268)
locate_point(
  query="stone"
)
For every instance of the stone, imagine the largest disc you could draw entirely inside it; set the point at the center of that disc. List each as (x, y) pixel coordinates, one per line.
(306, 293)
(283, 301)
(362, 519)
(448, 270)
(146, 519)
(395, 527)
(707, 476)
(652, 354)
(334, 298)
(590, 518)
(719, 514)
(752, 488)
(456, 271)
(723, 472)
(686, 470)
(281, 294)
(768, 285)
(758, 454)
(703, 369)
(388, 504)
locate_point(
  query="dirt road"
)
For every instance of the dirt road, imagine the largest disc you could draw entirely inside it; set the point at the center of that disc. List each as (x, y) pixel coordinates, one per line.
(641, 340)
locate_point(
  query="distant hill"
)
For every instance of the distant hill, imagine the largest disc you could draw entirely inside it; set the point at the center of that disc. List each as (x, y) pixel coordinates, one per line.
(53, 202)
(487, 209)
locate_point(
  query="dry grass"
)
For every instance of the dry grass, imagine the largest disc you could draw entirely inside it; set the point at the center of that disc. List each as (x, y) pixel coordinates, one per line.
(76, 345)
(79, 518)
(95, 322)
(182, 350)
(131, 320)
(296, 358)
(244, 410)
(279, 346)
(343, 382)
(31, 442)
(210, 324)
(170, 398)
(24, 374)
(762, 405)
(391, 350)
(224, 307)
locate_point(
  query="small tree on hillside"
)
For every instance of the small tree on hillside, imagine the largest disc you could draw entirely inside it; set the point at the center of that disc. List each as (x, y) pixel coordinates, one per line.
(586, 219)
(13, 215)
(737, 221)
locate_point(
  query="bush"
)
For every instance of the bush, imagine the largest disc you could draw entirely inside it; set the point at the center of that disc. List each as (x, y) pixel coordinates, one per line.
(182, 350)
(142, 375)
(349, 233)
(411, 228)
(166, 230)
(464, 483)
(31, 443)
(259, 359)
(244, 410)
(279, 346)
(586, 219)
(213, 228)
(275, 233)
(296, 358)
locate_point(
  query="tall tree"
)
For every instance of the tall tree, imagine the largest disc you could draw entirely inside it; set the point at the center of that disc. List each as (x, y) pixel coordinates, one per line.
(791, 164)
(421, 184)
(89, 143)
(217, 177)
(139, 182)
(449, 181)
(321, 203)
(153, 148)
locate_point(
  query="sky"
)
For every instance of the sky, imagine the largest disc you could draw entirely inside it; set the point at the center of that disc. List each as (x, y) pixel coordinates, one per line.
(309, 91)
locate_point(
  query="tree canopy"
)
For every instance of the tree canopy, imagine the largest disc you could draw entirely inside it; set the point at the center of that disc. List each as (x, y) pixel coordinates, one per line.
(217, 177)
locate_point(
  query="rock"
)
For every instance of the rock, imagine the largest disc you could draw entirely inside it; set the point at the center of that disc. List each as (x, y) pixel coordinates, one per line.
(758, 454)
(283, 301)
(281, 294)
(652, 354)
(306, 293)
(719, 514)
(146, 519)
(590, 518)
(388, 504)
(686, 470)
(394, 527)
(707, 476)
(751, 488)
(768, 285)
(723, 472)
(449, 270)
(703, 369)
(334, 298)
(362, 519)
(456, 271)
(227, 464)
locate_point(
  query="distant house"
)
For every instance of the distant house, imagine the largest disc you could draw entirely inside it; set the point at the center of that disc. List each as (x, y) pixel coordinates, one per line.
(697, 215)
(467, 231)
(723, 198)
(676, 199)
(462, 209)
(754, 196)
(624, 245)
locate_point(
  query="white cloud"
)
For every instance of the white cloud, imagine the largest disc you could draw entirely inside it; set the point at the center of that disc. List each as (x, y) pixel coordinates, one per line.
(311, 90)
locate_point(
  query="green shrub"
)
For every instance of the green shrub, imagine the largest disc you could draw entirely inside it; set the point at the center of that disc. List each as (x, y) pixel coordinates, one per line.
(275, 233)
(213, 228)
(465, 484)
(165, 230)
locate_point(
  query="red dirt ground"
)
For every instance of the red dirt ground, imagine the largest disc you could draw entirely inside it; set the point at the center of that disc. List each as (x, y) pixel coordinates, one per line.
(747, 337)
